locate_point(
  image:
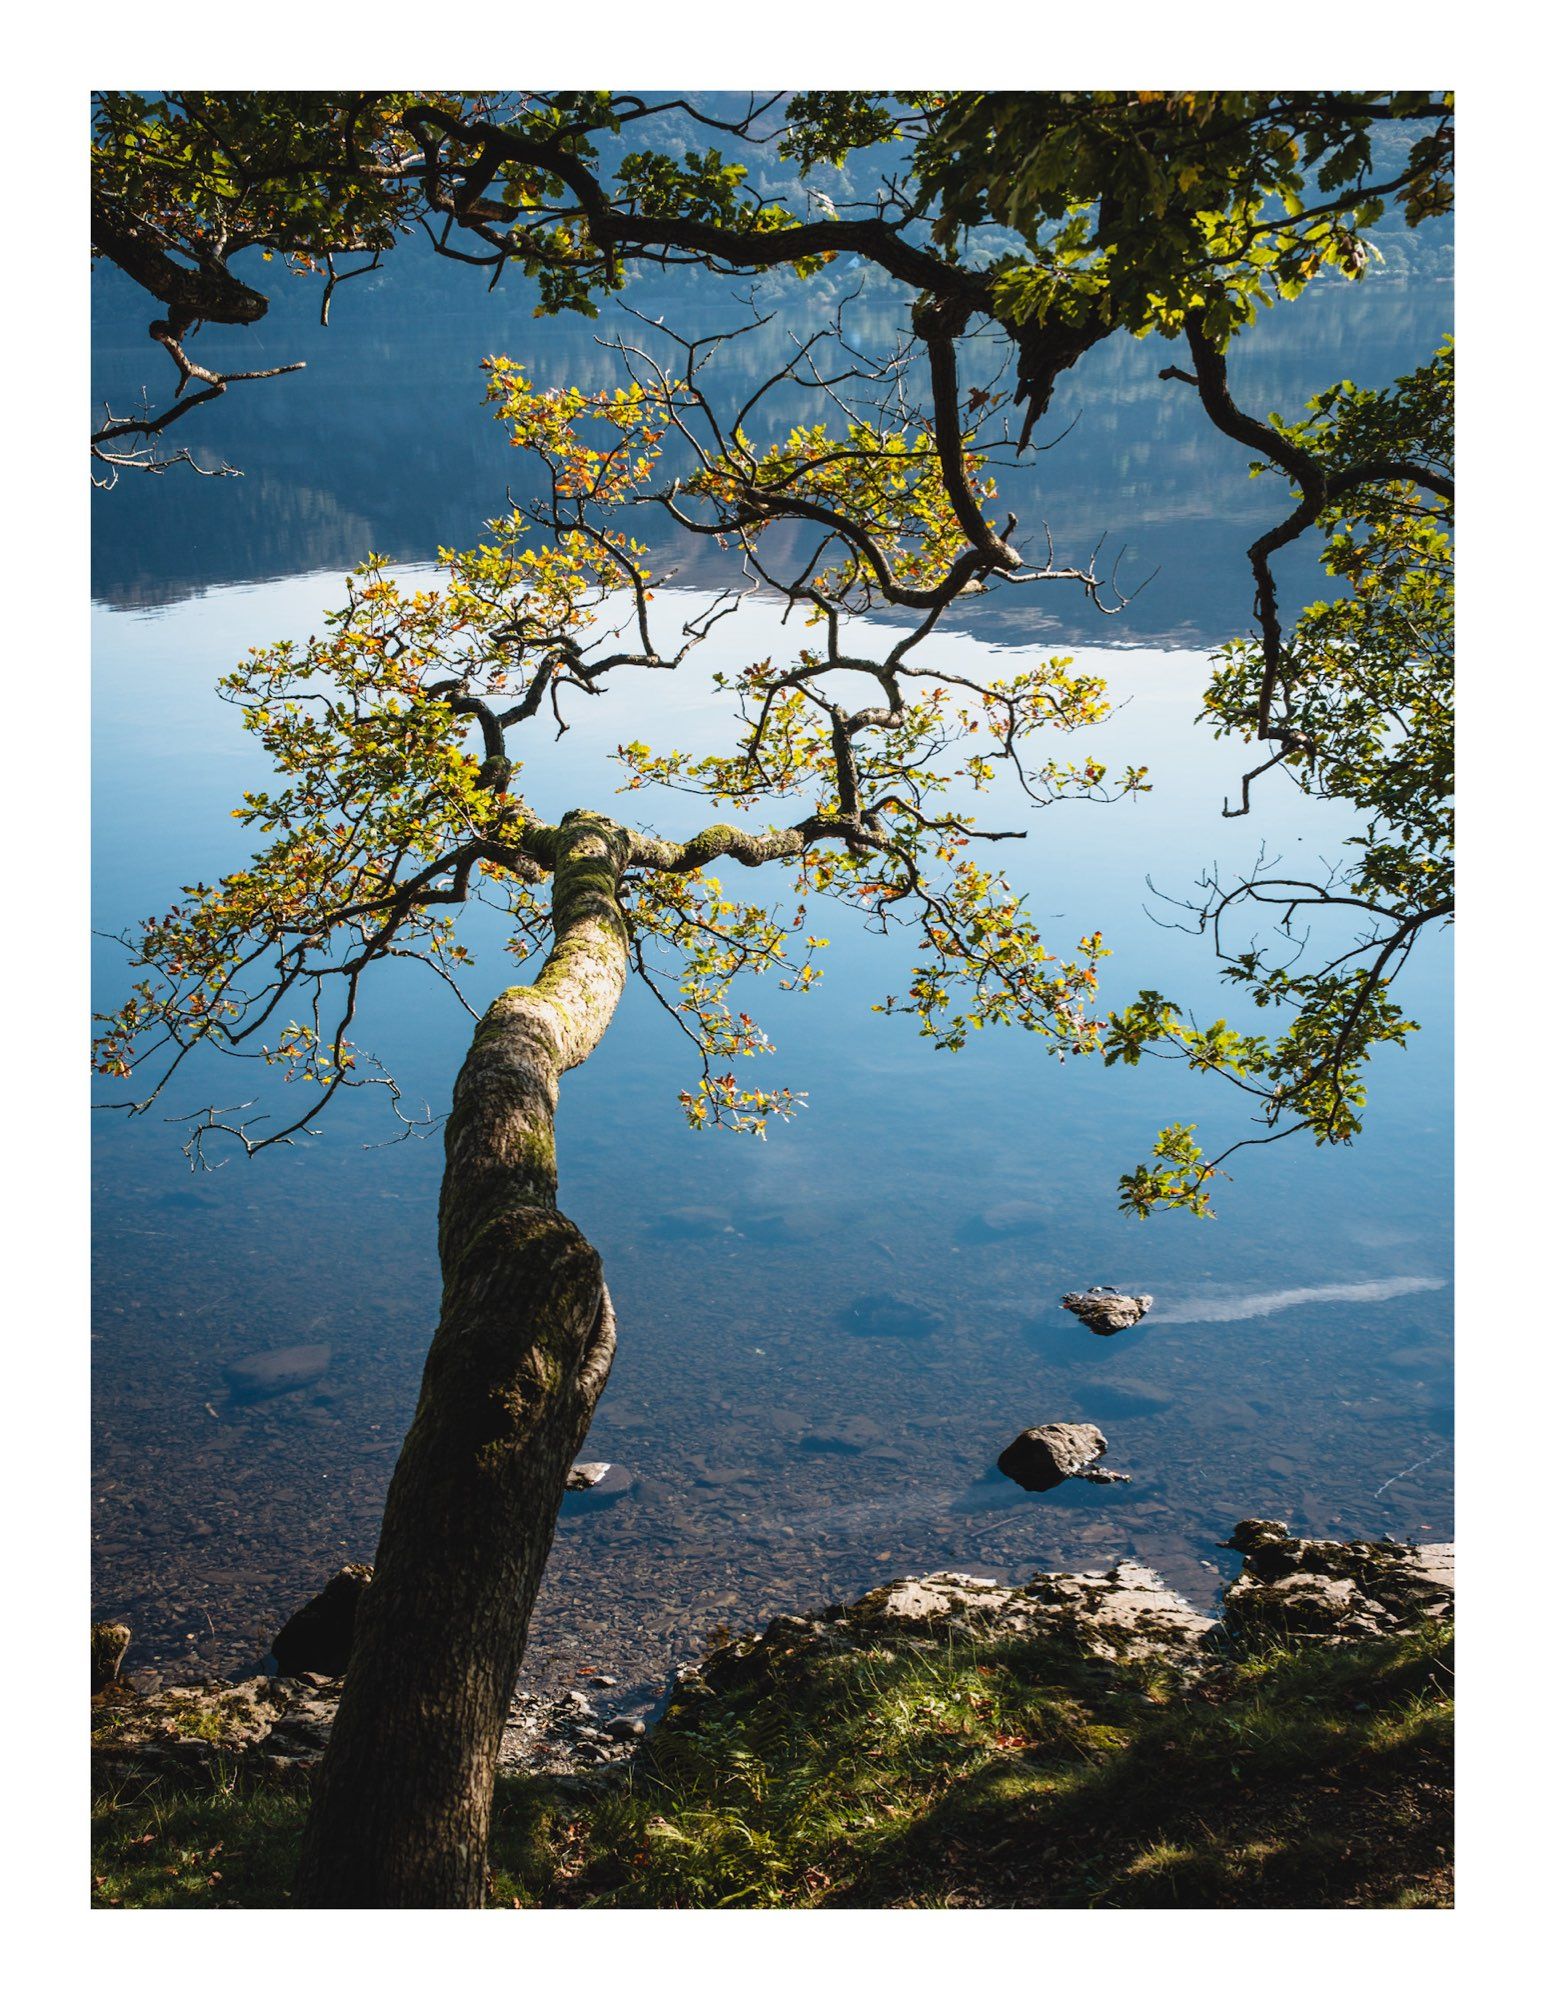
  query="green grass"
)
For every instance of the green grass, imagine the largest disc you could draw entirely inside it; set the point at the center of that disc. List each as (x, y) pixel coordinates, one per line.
(201, 1842)
(1007, 1774)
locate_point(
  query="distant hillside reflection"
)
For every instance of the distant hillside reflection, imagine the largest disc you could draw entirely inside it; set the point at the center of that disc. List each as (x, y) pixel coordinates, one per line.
(383, 442)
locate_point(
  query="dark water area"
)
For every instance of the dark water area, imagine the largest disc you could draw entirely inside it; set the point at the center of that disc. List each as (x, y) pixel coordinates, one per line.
(826, 1339)
(383, 441)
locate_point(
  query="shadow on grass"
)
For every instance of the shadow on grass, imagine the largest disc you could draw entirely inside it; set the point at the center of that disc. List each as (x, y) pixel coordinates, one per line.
(206, 1841)
(1009, 1775)
(1028, 1777)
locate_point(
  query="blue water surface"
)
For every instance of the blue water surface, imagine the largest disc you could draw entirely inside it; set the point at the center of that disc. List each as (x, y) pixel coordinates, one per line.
(826, 1339)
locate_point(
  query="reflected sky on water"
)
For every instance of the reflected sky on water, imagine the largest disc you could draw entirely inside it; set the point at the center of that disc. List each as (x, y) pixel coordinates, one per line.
(827, 1338)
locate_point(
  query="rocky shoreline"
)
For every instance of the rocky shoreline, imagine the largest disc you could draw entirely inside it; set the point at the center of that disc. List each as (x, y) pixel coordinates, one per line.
(1334, 1592)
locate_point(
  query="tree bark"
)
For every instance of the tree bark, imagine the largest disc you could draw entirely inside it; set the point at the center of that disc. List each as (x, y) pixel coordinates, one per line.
(400, 1814)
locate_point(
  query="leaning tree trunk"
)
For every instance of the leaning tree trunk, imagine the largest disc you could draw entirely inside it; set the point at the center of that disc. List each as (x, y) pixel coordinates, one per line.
(400, 1815)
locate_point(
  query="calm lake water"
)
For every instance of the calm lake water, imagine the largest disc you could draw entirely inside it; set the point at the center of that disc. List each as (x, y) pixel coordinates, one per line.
(789, 1441)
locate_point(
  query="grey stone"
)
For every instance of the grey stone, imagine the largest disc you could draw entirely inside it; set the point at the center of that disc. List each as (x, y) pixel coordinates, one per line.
(594, 1484)
(189, 1725)
(1328, 1590)
(1293, 1586)
(1018, 1219)
(1253, 1537)
(844, 1436)
(282, 1724)
(1117, 1613)
(692, 1224)
(787, 1629)
(1047, 1454)
(705, 1474)
(890, 1315)
(1106, 1311)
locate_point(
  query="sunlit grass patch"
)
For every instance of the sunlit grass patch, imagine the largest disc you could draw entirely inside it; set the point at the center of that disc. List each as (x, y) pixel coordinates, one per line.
(1024, 1775)
(1010, 1774)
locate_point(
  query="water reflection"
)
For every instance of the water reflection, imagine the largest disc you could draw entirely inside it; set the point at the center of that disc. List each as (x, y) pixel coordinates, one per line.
(382, 442)
(826, 1339)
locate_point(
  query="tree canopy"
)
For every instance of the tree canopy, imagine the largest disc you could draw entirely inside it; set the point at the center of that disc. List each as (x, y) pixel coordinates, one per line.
(398, 798)
(1058, 216)
(1048, 220)
(1359, 699)
(851, 758)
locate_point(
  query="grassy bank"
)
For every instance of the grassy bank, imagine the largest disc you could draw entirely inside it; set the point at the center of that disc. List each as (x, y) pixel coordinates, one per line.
(995, 1774)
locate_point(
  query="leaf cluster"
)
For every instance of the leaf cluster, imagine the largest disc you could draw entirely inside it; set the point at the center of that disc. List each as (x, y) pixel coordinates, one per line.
(1139, 207)
(396, 800)
(1361, 698)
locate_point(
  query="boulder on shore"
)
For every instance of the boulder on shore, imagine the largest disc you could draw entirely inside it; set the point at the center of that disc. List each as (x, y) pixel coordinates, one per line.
(316, 1640)
(1296, 1586)
(1120, 1613)
(280, 1726)
(109, 1643)
(1105, 1311)
(1047, 1454)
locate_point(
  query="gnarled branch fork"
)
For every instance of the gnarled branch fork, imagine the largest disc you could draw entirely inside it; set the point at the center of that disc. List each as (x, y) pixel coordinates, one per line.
(1318, 488)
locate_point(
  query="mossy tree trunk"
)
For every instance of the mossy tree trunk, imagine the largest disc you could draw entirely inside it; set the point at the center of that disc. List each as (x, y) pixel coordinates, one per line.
(400, 1815)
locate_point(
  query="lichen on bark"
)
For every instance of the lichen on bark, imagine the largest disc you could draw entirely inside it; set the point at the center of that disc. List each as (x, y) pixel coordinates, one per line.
(521, 1354)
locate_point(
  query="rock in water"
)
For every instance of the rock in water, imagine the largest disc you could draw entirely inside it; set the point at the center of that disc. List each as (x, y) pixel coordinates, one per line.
(595, 1483)
(1046, 1455)
(843, 1436)
(891, 1315)
(317, 1639)
(692, 1224)
(281, 1368)
(1019, 1219)
(109, 1643)
(1106, 1311)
